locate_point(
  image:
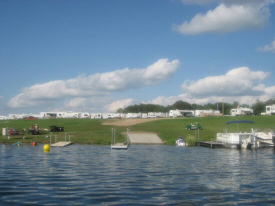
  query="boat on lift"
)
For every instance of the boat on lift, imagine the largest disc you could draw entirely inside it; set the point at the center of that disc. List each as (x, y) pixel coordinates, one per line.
(236, 139)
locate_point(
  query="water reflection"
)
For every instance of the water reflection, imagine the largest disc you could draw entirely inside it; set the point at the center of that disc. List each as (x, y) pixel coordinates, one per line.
(150, 175)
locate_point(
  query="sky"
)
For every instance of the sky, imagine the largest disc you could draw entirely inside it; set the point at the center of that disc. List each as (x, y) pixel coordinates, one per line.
(102, 55)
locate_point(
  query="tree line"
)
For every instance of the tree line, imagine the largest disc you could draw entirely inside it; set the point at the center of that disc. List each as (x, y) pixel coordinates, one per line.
(258, 107)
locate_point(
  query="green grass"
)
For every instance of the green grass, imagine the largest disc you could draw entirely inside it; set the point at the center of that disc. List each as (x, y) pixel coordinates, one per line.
(91, 131)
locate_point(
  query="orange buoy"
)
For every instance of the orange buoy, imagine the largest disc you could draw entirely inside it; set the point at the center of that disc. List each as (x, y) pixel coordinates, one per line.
(33, 143)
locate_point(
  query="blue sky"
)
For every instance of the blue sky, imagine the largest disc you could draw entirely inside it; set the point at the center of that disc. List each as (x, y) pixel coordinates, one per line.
(98, 56)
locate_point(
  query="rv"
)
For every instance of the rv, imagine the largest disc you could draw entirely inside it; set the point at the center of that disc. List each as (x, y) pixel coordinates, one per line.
(133, 115)
(96, 116)
(181, 113)
(241, 111)
(270, 110)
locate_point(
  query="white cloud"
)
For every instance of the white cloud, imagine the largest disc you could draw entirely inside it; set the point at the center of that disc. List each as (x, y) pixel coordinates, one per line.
(94, 85)
(228, 18)
(200, 2)
(114, 106)
(268, 48)
(239, 84)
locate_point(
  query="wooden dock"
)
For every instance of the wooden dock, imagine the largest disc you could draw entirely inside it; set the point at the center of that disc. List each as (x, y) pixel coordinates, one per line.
(61, 144)
(211, 144)
(119, 146)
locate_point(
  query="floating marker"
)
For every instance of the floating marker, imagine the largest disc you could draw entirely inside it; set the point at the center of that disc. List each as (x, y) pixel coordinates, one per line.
(47, 148)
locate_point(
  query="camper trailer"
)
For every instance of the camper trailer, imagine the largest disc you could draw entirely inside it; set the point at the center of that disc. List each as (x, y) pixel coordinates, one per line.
(270, 110)
(241, 111)
(181, 113)
(96, 116)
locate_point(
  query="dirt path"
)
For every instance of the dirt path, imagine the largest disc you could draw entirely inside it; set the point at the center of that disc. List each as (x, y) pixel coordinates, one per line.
(128, 122)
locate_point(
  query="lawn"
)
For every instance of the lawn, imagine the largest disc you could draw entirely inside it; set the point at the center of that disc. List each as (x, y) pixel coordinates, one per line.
(91, 131)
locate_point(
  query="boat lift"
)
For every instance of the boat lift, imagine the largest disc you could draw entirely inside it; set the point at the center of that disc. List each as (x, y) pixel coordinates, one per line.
(115, 145)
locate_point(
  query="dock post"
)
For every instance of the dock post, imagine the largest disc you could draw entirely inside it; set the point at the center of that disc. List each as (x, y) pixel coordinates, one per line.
(114, 136)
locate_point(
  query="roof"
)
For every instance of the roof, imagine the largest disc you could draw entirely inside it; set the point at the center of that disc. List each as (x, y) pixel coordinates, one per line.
(239, 121)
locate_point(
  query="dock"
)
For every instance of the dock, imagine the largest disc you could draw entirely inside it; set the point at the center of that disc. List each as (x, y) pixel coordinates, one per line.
(119, 146)
(211, 144)
(61, 144)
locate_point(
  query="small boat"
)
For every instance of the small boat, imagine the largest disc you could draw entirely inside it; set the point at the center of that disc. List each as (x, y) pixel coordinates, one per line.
(181, 142)
(264, 138)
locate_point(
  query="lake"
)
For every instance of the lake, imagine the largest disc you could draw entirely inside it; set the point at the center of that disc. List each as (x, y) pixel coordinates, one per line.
(141, 175)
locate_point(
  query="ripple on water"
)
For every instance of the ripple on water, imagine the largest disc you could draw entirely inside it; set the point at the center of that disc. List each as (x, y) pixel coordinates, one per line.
(149, 175)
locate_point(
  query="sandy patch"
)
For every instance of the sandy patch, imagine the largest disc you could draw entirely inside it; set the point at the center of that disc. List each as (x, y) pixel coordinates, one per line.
(128, 122)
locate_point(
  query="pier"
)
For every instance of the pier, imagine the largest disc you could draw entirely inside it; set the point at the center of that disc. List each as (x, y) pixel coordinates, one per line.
(119, 145)
(211, 144)
(61, 144)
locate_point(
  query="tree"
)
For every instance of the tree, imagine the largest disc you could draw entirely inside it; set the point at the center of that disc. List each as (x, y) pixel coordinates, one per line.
(120, 110)
(258, 107)
(181, 105)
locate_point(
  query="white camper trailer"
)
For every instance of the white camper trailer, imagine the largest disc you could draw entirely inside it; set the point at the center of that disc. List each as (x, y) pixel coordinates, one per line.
(175, 113)
(181, 113)
(270, 110)
(133, 115)
(96, 116)
(241, 111)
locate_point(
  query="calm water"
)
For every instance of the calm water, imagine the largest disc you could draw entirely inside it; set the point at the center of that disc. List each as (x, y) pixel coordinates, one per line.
(148, 175)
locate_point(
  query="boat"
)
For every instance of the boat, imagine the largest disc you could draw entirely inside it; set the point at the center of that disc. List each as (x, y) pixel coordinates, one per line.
(264, 138)
(181, 142)
(237, 139)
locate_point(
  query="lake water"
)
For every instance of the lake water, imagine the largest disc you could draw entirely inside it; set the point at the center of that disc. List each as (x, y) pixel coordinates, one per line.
(141, 175)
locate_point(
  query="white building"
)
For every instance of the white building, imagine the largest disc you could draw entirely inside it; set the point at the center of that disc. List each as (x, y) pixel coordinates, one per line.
(241, 111)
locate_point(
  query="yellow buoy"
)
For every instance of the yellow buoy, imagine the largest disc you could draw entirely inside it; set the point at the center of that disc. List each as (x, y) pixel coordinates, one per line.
(47, 148)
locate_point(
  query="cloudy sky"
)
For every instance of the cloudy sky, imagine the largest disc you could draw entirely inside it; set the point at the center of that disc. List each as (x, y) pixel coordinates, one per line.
(98, 56)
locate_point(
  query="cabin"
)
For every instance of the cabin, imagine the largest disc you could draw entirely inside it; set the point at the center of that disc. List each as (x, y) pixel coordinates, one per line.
(241, 111)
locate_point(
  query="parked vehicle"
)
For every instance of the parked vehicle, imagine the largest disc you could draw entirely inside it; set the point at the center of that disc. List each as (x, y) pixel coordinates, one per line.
(31, 117)
(55, 128)
(13, 131)
(193, 127)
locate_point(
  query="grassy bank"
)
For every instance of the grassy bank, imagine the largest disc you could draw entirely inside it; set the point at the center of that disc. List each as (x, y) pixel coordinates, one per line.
(91, 131)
